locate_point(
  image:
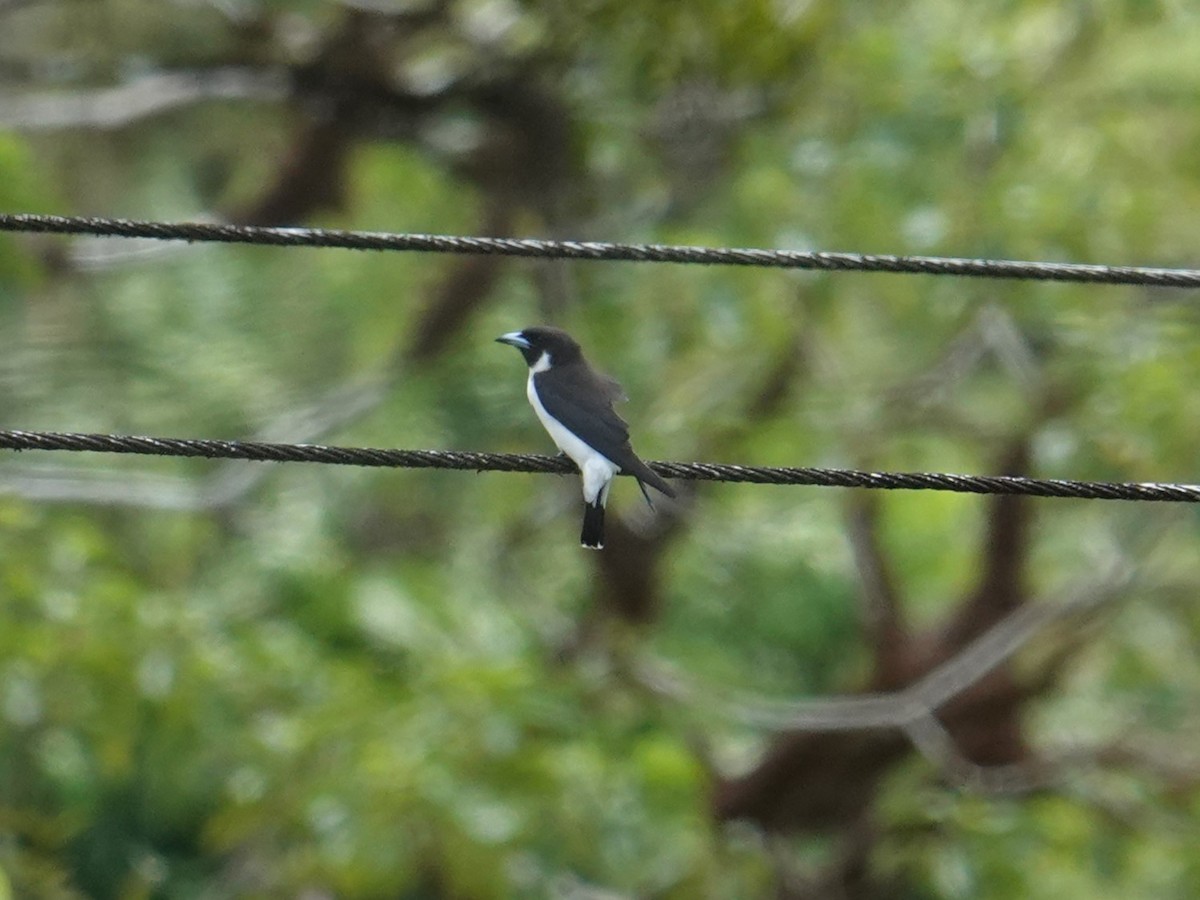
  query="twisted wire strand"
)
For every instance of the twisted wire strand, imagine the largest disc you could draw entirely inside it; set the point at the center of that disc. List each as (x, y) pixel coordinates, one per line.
(470, 460)
(598, 250)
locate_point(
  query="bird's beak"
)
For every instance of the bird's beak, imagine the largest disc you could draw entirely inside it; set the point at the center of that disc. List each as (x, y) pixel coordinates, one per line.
(514, 339)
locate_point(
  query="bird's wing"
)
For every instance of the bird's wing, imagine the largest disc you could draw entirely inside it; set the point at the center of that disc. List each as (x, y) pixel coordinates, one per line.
(582, 401)
(616, 393)
(584, 406)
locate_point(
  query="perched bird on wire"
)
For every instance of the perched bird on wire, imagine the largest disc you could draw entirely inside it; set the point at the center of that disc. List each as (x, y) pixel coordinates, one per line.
(575, 405)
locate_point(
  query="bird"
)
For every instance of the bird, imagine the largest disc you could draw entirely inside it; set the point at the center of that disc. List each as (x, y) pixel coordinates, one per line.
(574, 403)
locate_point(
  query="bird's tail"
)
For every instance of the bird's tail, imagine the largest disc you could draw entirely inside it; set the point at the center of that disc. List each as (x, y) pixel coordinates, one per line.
(593, 525)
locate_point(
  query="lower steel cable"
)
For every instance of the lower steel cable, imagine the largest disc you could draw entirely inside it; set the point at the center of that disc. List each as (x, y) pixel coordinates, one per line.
(513, 462)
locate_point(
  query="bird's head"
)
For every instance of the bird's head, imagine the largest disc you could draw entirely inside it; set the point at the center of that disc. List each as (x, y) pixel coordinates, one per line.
(542, 340)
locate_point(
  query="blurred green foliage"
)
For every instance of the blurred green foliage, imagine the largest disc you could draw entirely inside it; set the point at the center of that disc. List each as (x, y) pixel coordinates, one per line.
(351, 683)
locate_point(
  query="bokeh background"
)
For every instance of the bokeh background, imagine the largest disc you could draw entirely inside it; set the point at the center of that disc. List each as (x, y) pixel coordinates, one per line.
(250, 680)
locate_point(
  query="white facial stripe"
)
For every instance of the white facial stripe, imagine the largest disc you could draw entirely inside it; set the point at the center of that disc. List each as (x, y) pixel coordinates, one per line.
(542, 364)
(597, 469)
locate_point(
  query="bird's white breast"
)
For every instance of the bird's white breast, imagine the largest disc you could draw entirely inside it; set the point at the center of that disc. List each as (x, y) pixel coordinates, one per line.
(598, 470)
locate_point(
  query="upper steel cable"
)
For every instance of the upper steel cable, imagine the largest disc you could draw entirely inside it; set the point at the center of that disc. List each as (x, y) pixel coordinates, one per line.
(596, 250)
